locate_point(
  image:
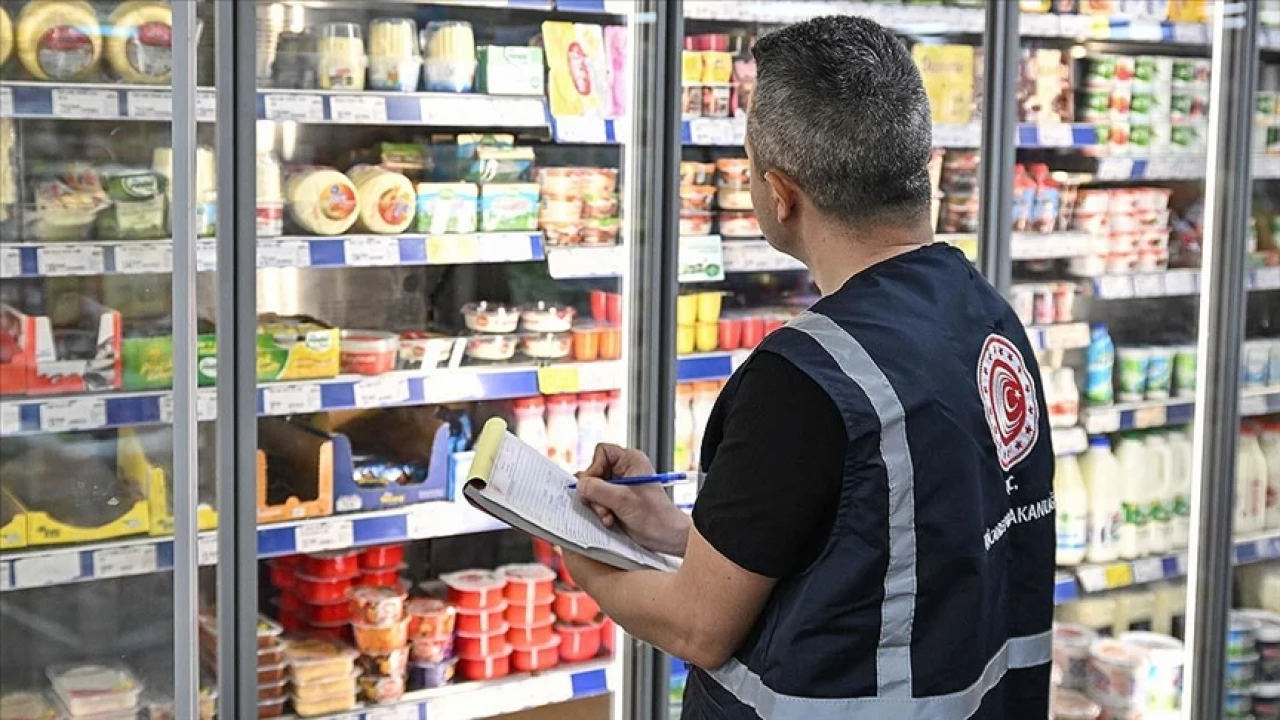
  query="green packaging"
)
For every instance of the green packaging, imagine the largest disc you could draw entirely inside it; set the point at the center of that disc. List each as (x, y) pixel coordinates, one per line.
(138, 204)
(148, 361)
(511, 207)
(510, 70)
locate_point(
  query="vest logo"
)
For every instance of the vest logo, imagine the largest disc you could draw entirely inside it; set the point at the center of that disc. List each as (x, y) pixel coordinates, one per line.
(1008, 400)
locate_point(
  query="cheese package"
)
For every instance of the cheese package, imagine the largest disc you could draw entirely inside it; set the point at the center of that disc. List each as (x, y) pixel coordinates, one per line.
(321, 200)
(447, 208)
(509, 70)
(140, 42)
(6, 35)
(59, 39)
(947, 72)
(509, 208)
(578, 72)
(386, 200)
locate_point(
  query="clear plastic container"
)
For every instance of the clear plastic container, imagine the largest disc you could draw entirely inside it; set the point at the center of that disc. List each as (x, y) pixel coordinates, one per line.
(321, 688)
(314, 658)
(449, 50)
(28, 706)
(490, 317)
(342, 56)
(95, 688)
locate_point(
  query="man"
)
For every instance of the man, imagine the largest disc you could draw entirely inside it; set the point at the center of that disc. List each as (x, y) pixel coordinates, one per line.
(875, 535)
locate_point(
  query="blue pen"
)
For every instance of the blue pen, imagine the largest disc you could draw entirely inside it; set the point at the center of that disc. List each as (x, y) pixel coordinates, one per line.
(671, 478)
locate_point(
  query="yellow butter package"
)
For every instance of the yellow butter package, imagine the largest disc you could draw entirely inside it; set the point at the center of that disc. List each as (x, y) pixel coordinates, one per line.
(1188, 11)
(576, 64)
(947, 72)
(691, 67)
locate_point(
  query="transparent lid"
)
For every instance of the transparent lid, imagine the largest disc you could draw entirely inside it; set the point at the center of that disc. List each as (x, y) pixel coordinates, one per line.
(93, 680)
(341, 30)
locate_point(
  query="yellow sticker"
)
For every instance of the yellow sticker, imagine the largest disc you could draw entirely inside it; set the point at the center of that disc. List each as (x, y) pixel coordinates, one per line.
(1120, 575)
(452, 249)
(555, 380)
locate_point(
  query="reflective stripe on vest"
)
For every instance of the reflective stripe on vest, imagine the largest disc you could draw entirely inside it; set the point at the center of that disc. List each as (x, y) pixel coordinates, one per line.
(893, 654)
(1015, 654)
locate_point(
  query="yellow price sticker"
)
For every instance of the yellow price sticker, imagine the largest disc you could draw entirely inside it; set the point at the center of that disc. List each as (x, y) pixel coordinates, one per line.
(556, 380)
(1120, 575)
(452, 249)
(1100, 27)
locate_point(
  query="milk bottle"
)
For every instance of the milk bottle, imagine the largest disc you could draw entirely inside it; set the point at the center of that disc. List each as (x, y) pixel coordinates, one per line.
(1072, 517)
(1100, 358)
(1270, 442)
(1251, 482)
(1102, 482)
(1134, 530)
(1180, 509)
(1159, 492)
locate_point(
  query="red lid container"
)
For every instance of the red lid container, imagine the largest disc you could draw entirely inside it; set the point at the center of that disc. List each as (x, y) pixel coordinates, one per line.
(482, 621)
(333, 613)
(337, 631)
(321, 591)
(529, 583)
(575, 606)
(529, 658)
(330, 565)
(381, 557)
(289, 602)
(579, 642)
(527, 615)
(475, 589)
(487, 668)
(480, 646)
(532, 635)
(282, 574)
(380, 577)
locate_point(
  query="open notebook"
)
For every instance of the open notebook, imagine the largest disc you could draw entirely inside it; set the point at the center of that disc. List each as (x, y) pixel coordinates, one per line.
(522, 487)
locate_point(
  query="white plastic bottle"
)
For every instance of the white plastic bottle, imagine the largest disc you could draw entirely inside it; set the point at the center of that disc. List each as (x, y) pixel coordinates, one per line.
(531, 427)
(1251, 482)
(1180, 508)
(562, 431)
(704, 399)
(1270, 442)
(1132, 484)
(1102, 481)
(683, 459)
(1159, 493)
(593, 425)
(1072, 517)
(1065, 406)
(617, 414)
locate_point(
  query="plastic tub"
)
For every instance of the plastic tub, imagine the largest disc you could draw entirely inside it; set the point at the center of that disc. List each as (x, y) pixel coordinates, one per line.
(94, 688)
(319, 591)
(380, 577)
(1113, 672)
(729, 333)
(698, 198)
(27, 706)
(528, 583)
(424, 676)
(475, 589)
(733, 197)
(282, 575)
(734, 171)
(1071, 654)
(382, 688)
(579, 642)
(289, 602)
(607, 631)
(376, 605)
(546, 317)
(272, 708)
(546, 346)
(739, 224)
(333, 613)
(319, 688)
(611, 343)
(381, 638)
(335, 565)
(429, 617)
(1242, 635)
(693, 223)
(340, 632)
(272, 691)
(431, 649)
(315, 657)
(586, 343)
(381, 557)
(271, 656)
(485, 668)
(1241, 671)
(482, 621)
(394, 74)
(368, 352)
(527, 615)
(492, 347)
(293, 622)
(268, 674)
(531, 658)
(532, 634)
(706, 336)
(574, 606)
(389, 663)
(488, 317)
(337, 703)
(480, 646)
(697, 173)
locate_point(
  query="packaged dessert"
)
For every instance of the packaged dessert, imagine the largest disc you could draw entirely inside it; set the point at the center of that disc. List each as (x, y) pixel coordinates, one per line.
(319, 591)
(272, 708)
(332, 614)
(697, 197)
(394, 62)
(485, 668)
(273, 673)
(739, 224)
(429, 617)
(27, 706)
(492, 348)
(431, 649)
(380, 577)
(313, 658)
(328, 705)
(528, 583)
(546, 346)
(532, 634)
(381, 556)
(695, 223)
(382, 688)
(697, 173)
(424, 351)
(546, 317)
(600, 232)
(527, 615)
(368, 352)
(574, 606)
(482, 620)
(508, 207)
(579, 642)
(341, 56)
(381, 638)
(471, 646)
(735, 172)
(447, 207)
(531, 658)
(273, 691)
(489, 317)
(320, 688)
(475, 589)
(377, 605)
(578, 83)
(95, 688)
(423, 676)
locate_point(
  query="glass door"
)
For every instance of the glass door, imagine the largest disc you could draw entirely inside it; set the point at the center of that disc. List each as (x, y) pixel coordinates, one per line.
(91, 459)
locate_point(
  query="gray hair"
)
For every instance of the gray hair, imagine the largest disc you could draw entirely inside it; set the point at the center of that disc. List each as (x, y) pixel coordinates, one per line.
(839, 107)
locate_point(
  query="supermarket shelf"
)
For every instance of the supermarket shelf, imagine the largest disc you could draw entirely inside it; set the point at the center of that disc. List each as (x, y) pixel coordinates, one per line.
(65, 413)
(146, 256)
(1172, 283)
(41, 567)
(1173, 167)
(1069, 440)
(1113, 576)
(1175, 411)
(72, 101)
(745, 256)
(1062, 336)
(567, 263)
(1046, 246)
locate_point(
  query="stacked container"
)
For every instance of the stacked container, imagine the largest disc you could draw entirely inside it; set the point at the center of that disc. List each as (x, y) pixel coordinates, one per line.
(321, 582)
(431, 627)
(1130, 227)
(380, 625)
(579, 624)
(323, 676)
(481, 644)
(530, 596)
(272, 684)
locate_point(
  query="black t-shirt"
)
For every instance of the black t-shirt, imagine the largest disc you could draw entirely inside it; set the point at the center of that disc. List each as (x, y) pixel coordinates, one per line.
(773, 485)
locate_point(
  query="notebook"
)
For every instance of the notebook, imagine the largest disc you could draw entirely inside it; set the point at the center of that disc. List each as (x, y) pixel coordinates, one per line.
(520, 486)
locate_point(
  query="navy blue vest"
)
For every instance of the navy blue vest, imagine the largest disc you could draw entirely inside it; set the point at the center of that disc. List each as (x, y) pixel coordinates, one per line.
(933, 597)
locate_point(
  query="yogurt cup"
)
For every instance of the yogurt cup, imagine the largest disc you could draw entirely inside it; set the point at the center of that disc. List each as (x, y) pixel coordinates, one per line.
(1115, 673)
(1237, 704)
(1131, 373)
(1242, 636)
(1071, 705)
(1241, 671)
(1184, 371)
(1162, 674)
(1159, 372)
(1071, 654)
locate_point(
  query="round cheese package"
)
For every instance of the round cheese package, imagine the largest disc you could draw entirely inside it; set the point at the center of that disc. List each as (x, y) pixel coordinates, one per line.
(387, 199)
(140, 42)
(58, 39)
(6, 36)
(322, 201)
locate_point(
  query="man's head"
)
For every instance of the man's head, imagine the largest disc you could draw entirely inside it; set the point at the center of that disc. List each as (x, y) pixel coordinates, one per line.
(839, 131)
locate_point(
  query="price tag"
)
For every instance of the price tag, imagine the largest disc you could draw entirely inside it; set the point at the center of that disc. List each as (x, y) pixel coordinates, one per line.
(206, 404)
(63, 567)
(283, 253)
(298, 108)
(143, 257)
(90, 104)
(703, 131)
(1039, 24)
(1181, 562)
(70, 259)
(1102, 421)
(368, 250)
(442, 109)
(701, 259)
(6, 576)
(1190, 33)
(1181, 282)
(444, 519)
(206, 106)
(75, 414)
(1115, 287)
(737, 358)
(1253, 405)
(10, 419)
(957, 136)
(1114, 169)
(599, 376)
(149, 104)
(1149, 417)
(291, 399)
(557, 379)
(684, 494)
(377, 392)
(452, 249)
(326, 535)
(6, 102)
(207, 549)
(1066, 337)
(399, 712)
(1148, 285)
(738, 130)
(1148, 570)
(1055, 136)
(119, 562)
(10, 262)
(206, 256)
(445, 387)
(1146, 30)
(1119, 575)
(1267, 278)
(358, 109)
(166, 409)
(1272, 548)
(583, 130)
(507, 247)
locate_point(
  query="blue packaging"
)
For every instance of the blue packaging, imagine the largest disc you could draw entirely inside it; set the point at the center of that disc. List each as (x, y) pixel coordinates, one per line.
(1100, 359)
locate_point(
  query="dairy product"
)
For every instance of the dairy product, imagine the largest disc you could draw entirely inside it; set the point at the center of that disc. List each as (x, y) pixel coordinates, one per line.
(1180, 488)
(531, 426)
(386, 200)
(562, 432)
(1064, 408)
(1134, 530)
(341, 55)
(593, 425)
(1159, 492)
(394, 62)
(1102, 477)
(1251, 482)
(322, 200)
(140, 42)
(270, 209)
(684, 427)
(1072, 517)
(1131, 373)
(58, 39)
(1099, 361)
(6, 36)
(1270, 442)
(617, 414)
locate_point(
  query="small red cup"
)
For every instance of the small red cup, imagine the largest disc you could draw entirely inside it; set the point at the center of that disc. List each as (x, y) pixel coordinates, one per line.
(599, 305)
(771, 324)
(613, 308)
(730, 333)
(752, 331)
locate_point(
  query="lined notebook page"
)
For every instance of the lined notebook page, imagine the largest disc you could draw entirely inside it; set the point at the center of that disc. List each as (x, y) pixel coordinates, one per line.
(533, 486)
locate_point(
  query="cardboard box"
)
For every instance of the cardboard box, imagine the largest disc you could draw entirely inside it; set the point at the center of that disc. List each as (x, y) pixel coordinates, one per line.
(307, 351)
(509, 70)
(349, 496)
(131, 461)
(31, 361)
(299, 462)
(148, 362)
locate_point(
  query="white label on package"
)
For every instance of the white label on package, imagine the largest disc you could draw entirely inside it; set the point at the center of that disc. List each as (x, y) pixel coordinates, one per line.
(1148, 285)
(10, 262)
(327, 535)
(358, 109)
(1148, 570)
(1267, 278)
(1102, 421)
(119, 562)
(6, 102)
(143, 257)
(77, 414)
(283, 253)
(62, 567)
(291, 399)
(6, 576)
(207, 549)
(1055, 135)
(598, 376)
(505, 247)
(298, 108)
(149, 104)
(377, 392)
(166, 409)
(79, 103)
(70, 259)
(1181, 282)
(1115, 287)
(372, 250)
(701, 259)
(10, 419)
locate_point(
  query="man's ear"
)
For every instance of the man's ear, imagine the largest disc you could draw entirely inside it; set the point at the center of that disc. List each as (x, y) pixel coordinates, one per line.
(784, 193)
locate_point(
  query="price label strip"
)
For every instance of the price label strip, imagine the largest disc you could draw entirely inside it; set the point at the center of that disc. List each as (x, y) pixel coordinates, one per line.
(149, 104)
(206, 105)
(73, 414)
(291, 399)
(70, 259)
(701, 259)
(371, 250)
(556, 380)
(327, 535)
(284, 254)
(207, 549)
(86, 104)
(206, 255)
(296, 108)
(399, 712)
(358, 109)
(10, 262)
(1115, 287)
(10, 419)
(143, 257)
(6, 576)
(452, 249)
(1149, 285)
(1148, 570)
(206, 404)
(1181, 282)
(55, 569)
(6, 102)
(120, 562)
(583, 130)
(1149, 417)
(378, 392)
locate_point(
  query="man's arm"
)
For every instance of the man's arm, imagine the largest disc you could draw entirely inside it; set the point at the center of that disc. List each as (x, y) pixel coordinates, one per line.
(700, 613)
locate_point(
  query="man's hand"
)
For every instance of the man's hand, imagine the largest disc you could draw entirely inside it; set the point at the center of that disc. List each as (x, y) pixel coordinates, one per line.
(644, 512)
